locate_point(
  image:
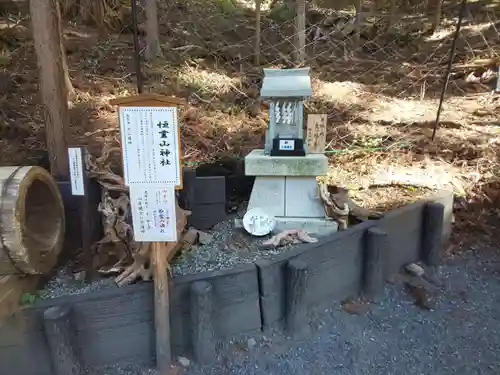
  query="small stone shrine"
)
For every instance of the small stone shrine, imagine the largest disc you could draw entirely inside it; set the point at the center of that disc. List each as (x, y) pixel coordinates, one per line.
(285, 184)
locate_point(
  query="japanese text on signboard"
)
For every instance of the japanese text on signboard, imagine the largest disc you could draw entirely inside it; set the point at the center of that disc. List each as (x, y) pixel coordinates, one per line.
(153, 213)
(150, 145)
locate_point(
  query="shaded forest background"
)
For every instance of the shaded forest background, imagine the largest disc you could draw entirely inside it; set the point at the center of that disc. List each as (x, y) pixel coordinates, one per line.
(378, 78)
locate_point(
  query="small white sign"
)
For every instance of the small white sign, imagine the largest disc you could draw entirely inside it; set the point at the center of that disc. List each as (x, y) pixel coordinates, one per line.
(150, 144)
(257, 222)
(76, 170)
(153, 213)
(287, 144)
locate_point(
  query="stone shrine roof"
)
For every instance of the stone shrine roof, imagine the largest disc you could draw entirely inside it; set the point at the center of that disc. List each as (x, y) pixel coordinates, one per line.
(280, 83)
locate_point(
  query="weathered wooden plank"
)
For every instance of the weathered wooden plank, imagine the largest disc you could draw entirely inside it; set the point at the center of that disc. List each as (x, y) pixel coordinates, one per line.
(316, 133)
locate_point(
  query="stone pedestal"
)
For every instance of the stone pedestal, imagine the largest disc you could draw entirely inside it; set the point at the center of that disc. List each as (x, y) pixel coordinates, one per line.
(285, 187)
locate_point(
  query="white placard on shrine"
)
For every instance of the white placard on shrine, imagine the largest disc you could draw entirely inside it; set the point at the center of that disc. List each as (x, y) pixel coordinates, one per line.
(150, 143)
(153, 213)
(76, 171)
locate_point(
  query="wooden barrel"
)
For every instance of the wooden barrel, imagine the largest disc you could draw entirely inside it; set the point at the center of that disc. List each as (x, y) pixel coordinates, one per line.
(31, 221)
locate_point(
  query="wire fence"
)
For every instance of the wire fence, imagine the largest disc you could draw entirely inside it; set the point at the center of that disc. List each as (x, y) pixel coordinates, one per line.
(378, 73)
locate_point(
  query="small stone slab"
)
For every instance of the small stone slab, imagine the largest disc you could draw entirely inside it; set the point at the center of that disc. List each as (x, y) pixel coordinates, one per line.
(257, 163)
(313, 226)
(268, 193)
(301, 198)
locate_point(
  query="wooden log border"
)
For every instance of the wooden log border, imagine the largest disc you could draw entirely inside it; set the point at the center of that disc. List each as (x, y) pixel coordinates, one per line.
(116, 326)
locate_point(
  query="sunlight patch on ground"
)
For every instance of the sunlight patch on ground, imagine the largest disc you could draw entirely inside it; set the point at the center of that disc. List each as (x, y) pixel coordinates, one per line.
(337, 92)
(380, 108)
(441, 34)
(434, 174)
(206, 82)
(470, 30)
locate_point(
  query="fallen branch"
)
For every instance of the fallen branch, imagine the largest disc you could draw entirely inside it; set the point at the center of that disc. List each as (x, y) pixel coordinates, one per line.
(287, 237)
(339, 206)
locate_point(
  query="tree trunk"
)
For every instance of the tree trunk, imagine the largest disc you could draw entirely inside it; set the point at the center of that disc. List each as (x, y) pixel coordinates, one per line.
(70, 91)
(392, 14)
(300, 25)
(359, 19)
(47, 38)
(257, 32)
(434, 12)
(153, 48)
(436, 20)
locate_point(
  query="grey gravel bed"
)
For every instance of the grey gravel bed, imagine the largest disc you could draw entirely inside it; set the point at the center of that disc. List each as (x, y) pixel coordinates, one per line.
(64, 283)
(230, 246)
(460, 336)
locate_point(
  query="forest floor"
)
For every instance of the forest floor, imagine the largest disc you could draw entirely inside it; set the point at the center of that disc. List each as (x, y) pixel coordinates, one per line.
(381, 99)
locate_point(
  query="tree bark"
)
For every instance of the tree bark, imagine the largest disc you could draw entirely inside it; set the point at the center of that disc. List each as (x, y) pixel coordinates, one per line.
(435, 14)
(47, 38)
(257, 32)
(70, 91)
(359, 20)
(392, 14)
(153, 48)
(300, 25)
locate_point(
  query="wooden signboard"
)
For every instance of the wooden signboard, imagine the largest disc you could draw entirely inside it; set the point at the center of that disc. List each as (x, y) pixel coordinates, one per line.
(79, 187)
(152, 168)
(316, 133)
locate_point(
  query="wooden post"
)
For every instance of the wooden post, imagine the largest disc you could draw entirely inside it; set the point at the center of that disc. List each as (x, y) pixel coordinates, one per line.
(257, 32)
(376, 245)
(162, 306)
(59, 333)
(78, 171)
(432, 232)
(85, 216)
(45, 24)
(160, 250)
(300, 25)
(203, 337)
(296, 284)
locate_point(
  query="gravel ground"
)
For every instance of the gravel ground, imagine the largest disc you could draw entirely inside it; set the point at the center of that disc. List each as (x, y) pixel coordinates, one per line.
(460, 336)
(230, 246)
(64, 283)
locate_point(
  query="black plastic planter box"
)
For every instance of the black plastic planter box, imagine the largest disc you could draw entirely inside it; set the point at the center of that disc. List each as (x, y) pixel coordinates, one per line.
(116, 325)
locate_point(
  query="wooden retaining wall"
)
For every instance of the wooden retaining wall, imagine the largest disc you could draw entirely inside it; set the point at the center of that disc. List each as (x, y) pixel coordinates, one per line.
(116, 325)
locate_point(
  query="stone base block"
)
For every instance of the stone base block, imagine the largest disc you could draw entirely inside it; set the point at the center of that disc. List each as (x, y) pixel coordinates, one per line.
(287, 196)
(293, 201)
(257, 163)
(314, 226)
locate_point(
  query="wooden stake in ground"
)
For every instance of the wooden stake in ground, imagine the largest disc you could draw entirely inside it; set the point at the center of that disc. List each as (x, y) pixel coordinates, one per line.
(150, 134)
(47, 38)
(162, 306)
